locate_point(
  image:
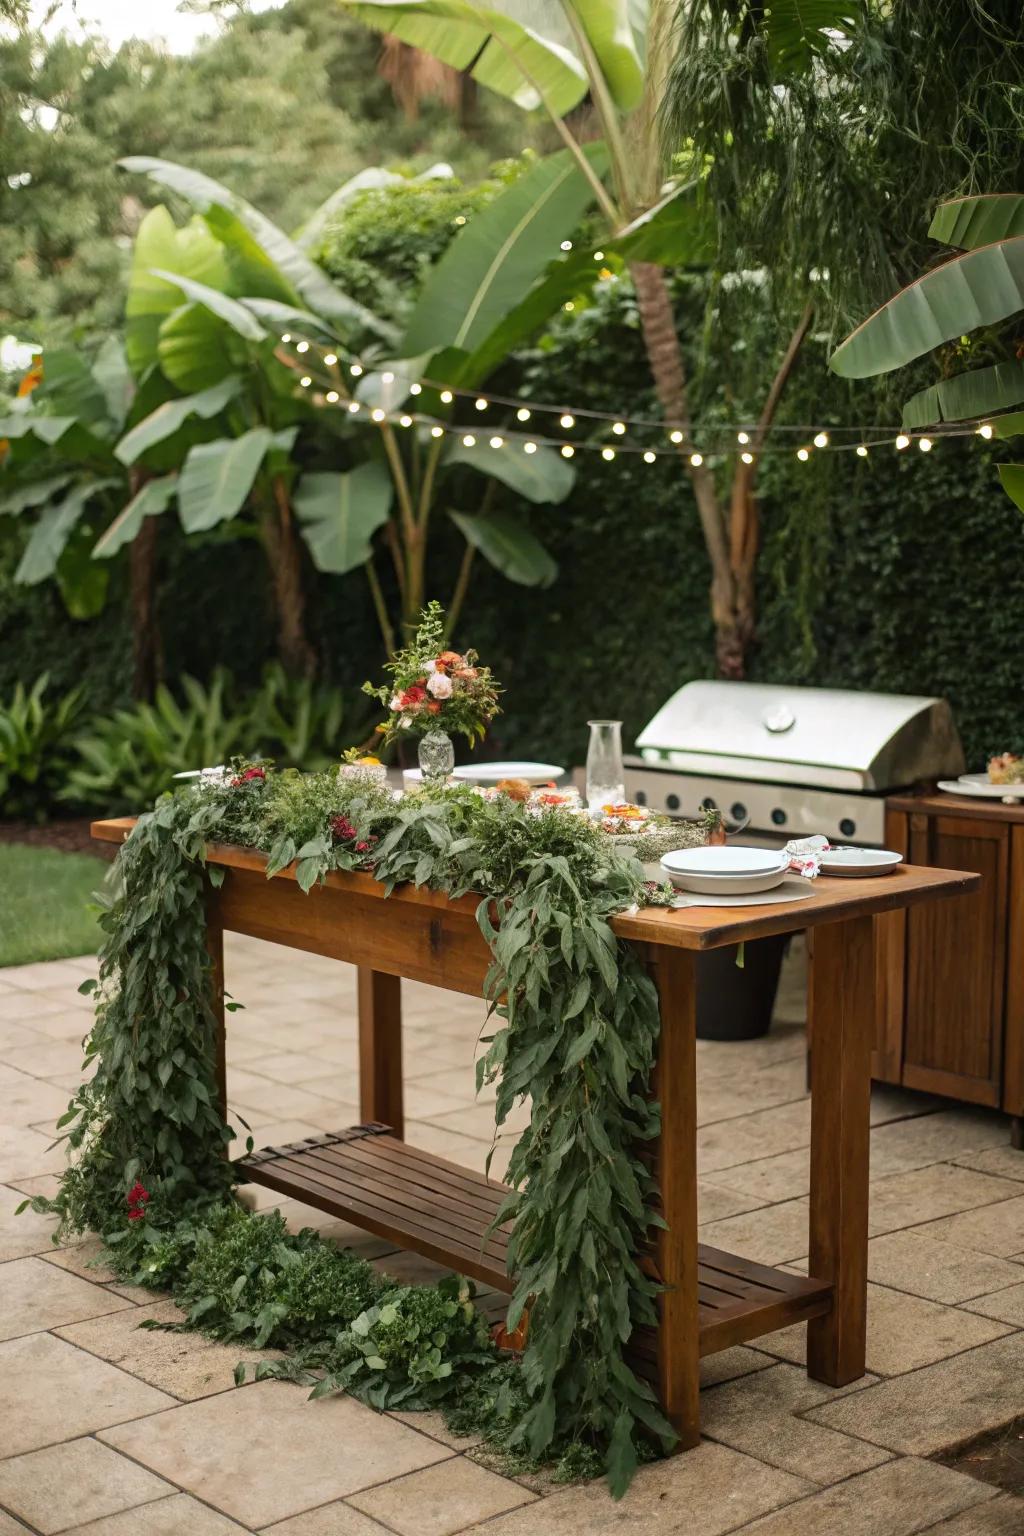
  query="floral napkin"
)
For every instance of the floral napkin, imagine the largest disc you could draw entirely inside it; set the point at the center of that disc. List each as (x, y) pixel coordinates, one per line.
(805, 854)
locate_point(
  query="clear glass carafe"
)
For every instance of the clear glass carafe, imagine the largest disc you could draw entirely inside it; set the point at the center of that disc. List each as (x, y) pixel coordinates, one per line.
(606, 776)
(436, 755)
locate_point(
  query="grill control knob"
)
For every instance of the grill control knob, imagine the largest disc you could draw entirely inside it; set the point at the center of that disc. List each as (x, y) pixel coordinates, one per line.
(707, 804)
(641, 797)
(779, 816)
(847, 827)
(738, 811)
(672, 802)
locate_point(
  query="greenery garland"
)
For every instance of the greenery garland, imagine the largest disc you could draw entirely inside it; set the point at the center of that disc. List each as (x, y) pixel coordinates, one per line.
(577, 1028)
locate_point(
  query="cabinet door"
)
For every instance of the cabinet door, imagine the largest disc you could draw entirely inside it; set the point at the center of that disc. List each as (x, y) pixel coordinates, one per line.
(956, 963)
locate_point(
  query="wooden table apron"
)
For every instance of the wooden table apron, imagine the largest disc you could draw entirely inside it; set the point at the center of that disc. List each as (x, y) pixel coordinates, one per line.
(712, 1300)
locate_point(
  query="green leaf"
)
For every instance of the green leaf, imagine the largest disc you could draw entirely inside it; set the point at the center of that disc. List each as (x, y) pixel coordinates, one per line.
(677, 231)
(797, 31)
(531, 62)
(217, 477)
(967, 397)
(340, 513)
(238, 316)
(1009, 426)
(48, 429)
(305, 279)
(112, 374)
(509, 546)
(196, 350)
(190, 252)
(616, 46)
(621, 1461)
(154, 497)
(52, 531)
(20, 497)
(167, 418)
(979, 288)
(499, 254)
(1012, 477)
(970, 222)
(542, 477)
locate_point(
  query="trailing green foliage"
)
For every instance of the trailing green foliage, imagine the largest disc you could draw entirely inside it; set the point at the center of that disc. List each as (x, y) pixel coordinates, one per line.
(577, 1026)
(34, 739)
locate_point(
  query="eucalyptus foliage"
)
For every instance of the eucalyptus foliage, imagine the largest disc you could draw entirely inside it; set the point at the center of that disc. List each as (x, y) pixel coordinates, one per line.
(576, 1028)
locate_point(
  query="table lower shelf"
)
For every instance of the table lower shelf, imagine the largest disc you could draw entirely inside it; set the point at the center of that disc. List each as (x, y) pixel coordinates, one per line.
(442, 1210)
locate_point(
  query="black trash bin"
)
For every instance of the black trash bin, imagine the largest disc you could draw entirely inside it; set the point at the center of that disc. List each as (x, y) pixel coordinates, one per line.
(736, 1002)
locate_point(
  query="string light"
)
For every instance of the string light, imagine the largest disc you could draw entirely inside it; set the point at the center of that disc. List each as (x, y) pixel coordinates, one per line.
(331, 397)
(415, 389)
(567, 421)
(522, 414)
(619, 428)
(599, 255)
(305, 381)
(566, 245)
(460, 218)
(377, 414)
(355, 370)
(497, 442)
(985, 431)
(437, 431)
(649, 457)
(286, 338)
(302, 346)
(386, 378)
(469, 441)
(567, 450)
(903, 441)
(353, 406)
(925, 444)
(481, 404)
(608, 453)
(405, 421)
(748, 458)
(330, 358)
(675, 437)
(821, 440)
(529, 447)
(862, 451)
(743, 437)
(447, 397)
(803, 454)
(696, 459)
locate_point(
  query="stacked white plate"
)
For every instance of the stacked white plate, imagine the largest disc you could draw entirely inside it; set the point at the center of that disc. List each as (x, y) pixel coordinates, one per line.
(981, 785)
(726, 871)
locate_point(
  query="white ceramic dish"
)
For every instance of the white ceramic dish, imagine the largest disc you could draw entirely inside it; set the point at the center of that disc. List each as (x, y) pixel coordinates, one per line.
(981, 786)
(493, 773)
(793, 888)
(857, 863)
(726, 886)
(725, 859)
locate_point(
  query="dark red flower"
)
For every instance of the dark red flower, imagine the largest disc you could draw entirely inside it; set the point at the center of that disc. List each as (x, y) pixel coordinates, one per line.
(248, 776)
(137, 1195)
(342, 829)
(413, 695)
(137, 1213)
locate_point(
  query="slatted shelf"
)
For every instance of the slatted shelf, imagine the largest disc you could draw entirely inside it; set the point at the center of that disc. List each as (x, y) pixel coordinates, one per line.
(442, 1210)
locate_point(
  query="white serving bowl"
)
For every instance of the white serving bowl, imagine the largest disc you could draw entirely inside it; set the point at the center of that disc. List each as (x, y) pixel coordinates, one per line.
(726, 859)
(858, 863)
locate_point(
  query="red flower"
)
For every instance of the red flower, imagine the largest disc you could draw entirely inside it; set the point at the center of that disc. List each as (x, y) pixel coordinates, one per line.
(342, 829)
(137, 1195)
(248, 776)
(137, 1214)
(413, 695)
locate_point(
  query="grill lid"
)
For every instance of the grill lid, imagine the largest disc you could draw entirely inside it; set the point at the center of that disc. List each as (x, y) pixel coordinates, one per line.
(827, 737)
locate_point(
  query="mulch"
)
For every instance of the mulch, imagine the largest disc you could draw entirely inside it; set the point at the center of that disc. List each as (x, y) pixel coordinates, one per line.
(70, 834)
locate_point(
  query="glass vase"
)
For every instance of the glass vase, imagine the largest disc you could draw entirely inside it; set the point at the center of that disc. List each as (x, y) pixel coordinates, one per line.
(436, 755)
(606, 776)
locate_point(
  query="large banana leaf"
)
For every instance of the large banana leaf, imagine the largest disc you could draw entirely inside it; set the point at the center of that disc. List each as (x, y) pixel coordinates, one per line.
(541, 477)
(677, 231)
(1012, 476)
(1011, 425)
(797, 30)
(196, 351)
(48, 429)
(169, 417)
(191, 252)
(154, 497)
(300, 279)
(69, 388)
(525, 52)
(970, 222)
(509, 546)
(20, 497)
(575, 274)
(114, 377)
(499, 254)
(967, 397)
(979, 288)
(614, 33)
(238, 316)
(341, 513)
(217, 477)
(53, 529)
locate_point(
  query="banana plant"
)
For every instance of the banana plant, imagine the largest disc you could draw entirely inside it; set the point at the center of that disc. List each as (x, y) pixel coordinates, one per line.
(207, 308)
(551, 54)
(981, 286)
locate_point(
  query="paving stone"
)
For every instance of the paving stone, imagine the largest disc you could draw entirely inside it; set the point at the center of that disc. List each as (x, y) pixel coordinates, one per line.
(51, 1391)
(293, 1067)
(84, 1257)
(718, 1099)
(934, 1138)
(45, 1184)
(1002, 1516)
(1004, 1160)
(889, 1103)
(1007, 1306)
(330, 1520)
(757, 1416)
(940, 1271)
(11, 1527)
(176, 1516)
(709, 1490)
(429, 1422)
(20, 1007)
(47, 1058)
(927, 1194)
(185, 1365)
(320, 1451)
(729, 1364)
(997, 1229)
(939, 1406)
(71, 1484)
(716, 1058)
(441, 1500)
(715, 1202)
(31, 1232)
(785, 1176)
(897, 1499)
(35, 1296)
(26, 1100)
(25, 1153)
(14, 1034)
(904, 1333)
(771, 1235)
(782, 1129)
(281, 1101)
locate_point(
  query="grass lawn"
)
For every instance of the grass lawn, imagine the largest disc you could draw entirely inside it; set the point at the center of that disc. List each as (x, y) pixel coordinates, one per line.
(43, 904)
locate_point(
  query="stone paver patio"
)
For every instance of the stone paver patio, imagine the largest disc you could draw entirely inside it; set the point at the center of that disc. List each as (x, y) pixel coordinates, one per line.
(106, 1430)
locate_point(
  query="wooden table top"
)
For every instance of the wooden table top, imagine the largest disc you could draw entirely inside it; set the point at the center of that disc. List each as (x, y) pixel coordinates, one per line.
(833, 899)
(940, 804)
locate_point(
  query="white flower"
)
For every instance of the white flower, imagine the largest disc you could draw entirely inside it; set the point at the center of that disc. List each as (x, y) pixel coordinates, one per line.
(440, 685)
(396, 702)
(405, 722)
(430, 666)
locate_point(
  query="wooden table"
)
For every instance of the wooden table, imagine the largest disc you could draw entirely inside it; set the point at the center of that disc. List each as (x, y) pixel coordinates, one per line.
(370, 1176)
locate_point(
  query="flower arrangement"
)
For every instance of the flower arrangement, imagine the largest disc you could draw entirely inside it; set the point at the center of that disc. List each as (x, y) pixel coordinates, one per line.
(436, 689)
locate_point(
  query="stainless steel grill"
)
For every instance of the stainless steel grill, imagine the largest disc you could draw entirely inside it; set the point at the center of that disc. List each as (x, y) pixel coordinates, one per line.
(791, 761)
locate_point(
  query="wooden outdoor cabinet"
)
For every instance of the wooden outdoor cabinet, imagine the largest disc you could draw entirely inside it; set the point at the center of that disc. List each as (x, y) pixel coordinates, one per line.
(950, 976)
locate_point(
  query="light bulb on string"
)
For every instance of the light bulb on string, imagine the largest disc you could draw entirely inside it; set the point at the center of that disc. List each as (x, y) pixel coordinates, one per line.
(599, 255)
(286, 338)
(696, 459)
(355, 369)
(903, 441)
(469, 441)
(437, 431)
(331, 397)
(377, 414)
(529, 447)
(675, 437)
(415, 389)
(649, 457)
(481, 404)
(566, 245)
(522, 414)
(925, 444)
(353, 406)
(302, 346)
(748, 458)
(497, 442)
(608, 453)
(821, 440)
(743, 437)
(447, 397)
(567, 421)
(803, 454)
(862, 451)
(330, 358)
(405, 421)
(619, 428)
(567, 450)
(305, 381)
(985, 430)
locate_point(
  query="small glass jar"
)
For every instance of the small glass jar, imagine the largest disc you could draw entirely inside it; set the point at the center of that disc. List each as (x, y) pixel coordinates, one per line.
(436, 755)
(606, 775)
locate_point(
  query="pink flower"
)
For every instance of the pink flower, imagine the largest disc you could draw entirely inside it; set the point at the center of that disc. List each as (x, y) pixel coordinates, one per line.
(440, 685)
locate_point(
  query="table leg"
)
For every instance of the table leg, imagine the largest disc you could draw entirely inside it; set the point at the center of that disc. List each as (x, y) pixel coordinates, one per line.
(380, 1049)
(215, 950)
(675, 1086)
(843, 1030)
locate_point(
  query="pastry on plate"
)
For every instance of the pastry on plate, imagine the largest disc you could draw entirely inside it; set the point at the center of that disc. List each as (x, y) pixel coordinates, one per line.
(1006, 769)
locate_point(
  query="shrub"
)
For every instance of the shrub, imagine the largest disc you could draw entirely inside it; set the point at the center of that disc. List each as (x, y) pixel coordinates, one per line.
(35, 742)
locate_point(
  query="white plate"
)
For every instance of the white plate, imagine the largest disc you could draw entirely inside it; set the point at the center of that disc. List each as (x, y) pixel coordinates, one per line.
(493, 773)
(793, 888)
(981, 786)
(725, 886)
(726, 859)
(856, 863)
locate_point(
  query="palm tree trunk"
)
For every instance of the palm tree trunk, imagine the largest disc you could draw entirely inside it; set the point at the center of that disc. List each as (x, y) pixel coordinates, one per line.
(147, 646)
(284, 554)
